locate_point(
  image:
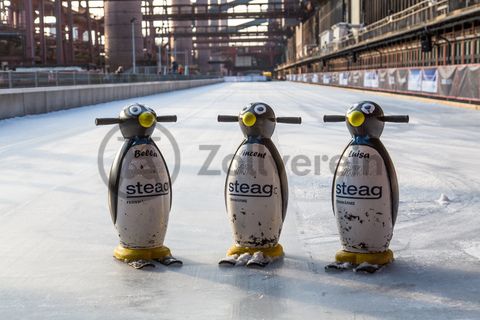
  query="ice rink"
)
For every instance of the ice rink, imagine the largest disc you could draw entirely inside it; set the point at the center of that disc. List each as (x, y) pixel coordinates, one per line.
(57, 238)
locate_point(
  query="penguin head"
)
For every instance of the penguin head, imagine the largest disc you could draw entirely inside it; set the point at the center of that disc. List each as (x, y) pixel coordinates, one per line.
(137, 121)
(364, 119)
(257, 120)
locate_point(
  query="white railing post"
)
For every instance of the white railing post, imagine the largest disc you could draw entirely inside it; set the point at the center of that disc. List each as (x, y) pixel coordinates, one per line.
(10, 84)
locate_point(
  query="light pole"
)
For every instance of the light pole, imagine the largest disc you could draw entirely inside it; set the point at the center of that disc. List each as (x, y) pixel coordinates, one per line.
(132, 21)
(159, 67)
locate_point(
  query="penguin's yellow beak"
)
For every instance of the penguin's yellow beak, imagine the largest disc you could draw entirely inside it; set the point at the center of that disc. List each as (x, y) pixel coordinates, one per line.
(249, 119)
(146, 119)
(356, 118)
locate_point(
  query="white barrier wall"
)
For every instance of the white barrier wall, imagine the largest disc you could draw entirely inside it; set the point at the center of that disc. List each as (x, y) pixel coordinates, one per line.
(21, 102)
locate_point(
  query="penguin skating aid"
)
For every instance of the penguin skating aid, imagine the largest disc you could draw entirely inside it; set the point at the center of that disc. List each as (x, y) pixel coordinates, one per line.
(140, 189)
(365, 191)
(256, 189)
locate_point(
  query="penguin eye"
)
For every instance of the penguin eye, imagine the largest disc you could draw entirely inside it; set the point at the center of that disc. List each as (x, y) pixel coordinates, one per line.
(135, 110)
(260, 109)
(368, 108)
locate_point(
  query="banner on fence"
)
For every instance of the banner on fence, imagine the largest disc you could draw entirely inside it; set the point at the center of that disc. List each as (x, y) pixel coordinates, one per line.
(462, 82)
(370, 79)
(429, 80)
(343, 79)
(415, 80)
(445, 79)
(327, 78)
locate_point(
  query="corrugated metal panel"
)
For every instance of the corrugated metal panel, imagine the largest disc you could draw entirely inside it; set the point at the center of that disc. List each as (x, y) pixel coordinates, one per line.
(374, 10)
(330, 12)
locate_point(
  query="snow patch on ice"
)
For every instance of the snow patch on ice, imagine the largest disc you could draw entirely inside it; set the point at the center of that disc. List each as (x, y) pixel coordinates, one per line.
(473, 250)
(443, 200)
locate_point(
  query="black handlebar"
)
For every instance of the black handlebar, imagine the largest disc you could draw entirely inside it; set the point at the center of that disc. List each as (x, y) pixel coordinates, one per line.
(402, 118)
(167, 119)
(224, 118)
(333, 118)
(398, 119)
(293, 120)
(106, 121)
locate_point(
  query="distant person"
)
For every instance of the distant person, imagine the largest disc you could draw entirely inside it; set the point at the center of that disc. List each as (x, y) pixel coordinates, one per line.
(181, 69)
(174, 67)
(119, 70)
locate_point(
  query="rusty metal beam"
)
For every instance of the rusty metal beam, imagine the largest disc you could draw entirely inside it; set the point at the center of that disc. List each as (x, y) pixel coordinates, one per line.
(215, 31)
(212, 40)
(59, 32)
(29, 32)
(89, 30)
(213, 11)
(43, 43)
(71, 52)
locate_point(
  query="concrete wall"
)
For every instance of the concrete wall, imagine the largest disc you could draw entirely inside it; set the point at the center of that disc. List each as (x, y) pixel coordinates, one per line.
(21, 102)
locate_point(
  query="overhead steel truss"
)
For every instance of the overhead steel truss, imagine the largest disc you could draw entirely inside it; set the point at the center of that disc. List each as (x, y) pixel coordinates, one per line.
(216, 31)
(213, 40)
(231, 10)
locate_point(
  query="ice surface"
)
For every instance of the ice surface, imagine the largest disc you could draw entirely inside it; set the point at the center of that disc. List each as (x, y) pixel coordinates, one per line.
(56, 235)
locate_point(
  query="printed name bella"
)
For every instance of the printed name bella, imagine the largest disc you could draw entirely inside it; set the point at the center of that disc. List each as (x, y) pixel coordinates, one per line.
(146, 153)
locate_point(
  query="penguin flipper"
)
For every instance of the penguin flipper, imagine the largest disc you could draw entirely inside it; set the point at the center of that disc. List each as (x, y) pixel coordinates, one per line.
(228, 171)
(114, 178)
(335, 174)
(281, 173)
(392, 176)
(150, 141)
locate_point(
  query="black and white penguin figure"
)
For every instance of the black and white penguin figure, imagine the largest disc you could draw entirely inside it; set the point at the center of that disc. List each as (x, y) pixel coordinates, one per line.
(256, 189)
(365, 191)
(140, 191)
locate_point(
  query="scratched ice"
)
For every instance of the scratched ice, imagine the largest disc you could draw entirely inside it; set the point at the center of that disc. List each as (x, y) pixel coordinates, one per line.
(56, 235)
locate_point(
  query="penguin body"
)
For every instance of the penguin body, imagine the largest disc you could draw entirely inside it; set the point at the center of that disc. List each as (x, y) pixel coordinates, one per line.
(365, 197)
(140, 192)
(365, 189)
(256, 194)
(256, 189)
(140, 198)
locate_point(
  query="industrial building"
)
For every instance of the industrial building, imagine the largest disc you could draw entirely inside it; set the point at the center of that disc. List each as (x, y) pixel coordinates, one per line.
(289, 37)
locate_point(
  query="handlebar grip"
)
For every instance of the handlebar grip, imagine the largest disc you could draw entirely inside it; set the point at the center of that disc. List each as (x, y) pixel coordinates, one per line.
(333, 118)
(167, 119)
(106, 121)
(402, 118)
(293, 120)
(224, 118)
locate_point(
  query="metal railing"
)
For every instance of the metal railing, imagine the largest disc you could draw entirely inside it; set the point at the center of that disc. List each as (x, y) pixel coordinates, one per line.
(12, 79)
(409, 18)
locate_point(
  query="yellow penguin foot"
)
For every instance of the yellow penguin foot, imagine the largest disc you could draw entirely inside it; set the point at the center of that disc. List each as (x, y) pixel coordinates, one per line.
(378, 258)
(364, 262)
(139, 258)
(251, 257)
